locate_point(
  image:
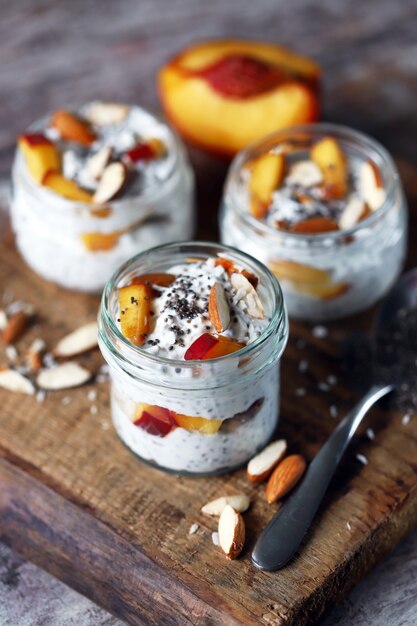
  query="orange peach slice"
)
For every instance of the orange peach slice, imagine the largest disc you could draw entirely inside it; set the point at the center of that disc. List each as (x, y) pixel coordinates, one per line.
(135, 307)
(160, 279)
(200, 424)
(72, 128)
(308, 280)
(224, 94)
(65, 187)
(223, 347)
(267, 174)
(328, 155)
(99, 242)
(40, 154)
(314, 226)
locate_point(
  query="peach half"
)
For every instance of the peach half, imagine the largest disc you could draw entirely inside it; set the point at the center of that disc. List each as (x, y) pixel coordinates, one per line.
(223, 94)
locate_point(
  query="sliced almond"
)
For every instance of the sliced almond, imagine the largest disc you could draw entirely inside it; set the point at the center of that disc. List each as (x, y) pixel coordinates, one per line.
(240, 502)
(246, 293)
(111, 183)
(14, 381)
(96, 164)
(285, 476)
(305, 173)
(106, 113)
(371, 185)
(79, 341)
(263, 463)
(352, 213)
(231, 532)
(63, 376)
(15, 327)
(3, 319)
(219, 310)
(34, 354)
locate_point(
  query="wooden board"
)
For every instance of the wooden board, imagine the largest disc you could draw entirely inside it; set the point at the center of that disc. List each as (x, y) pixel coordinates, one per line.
(76, 502)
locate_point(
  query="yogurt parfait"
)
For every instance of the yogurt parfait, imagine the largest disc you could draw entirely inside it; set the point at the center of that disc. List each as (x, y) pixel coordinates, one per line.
(323, 207)
(193, 334)
(94, 186)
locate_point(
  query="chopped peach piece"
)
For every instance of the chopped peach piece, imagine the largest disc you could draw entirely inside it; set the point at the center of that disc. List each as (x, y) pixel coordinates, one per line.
(155, 420)
(224, 94)
(72, 128)
(308, 280)
(314, 225)
(201, 424)
(223, 347)
(65, 187)
(328, 155)
(266, 175)
(135, 307)
(160, 279)
(97, 242)
(40, 154)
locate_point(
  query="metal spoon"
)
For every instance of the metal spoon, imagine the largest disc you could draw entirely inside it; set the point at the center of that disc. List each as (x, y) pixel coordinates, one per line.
(279, 541)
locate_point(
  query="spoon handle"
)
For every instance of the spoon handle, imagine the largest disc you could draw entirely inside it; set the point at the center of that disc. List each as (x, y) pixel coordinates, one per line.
(280, 539)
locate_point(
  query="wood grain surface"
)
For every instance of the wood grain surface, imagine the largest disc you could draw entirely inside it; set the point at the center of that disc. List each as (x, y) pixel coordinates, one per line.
(62, 465)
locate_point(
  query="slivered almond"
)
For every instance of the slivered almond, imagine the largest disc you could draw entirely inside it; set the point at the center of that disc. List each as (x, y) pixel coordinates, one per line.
(263, 463)
(111, 183)
(106, 113)
(14, 381)
(63, 376)
(35, 353)
(79, 341)
(219, 310)
(16, 326)
(231, 532)
(352, 213)
(305, 173)
(371, 185)
(230, 268)
(246, 293)
(285, 476)
(240, 502)
(96, 164)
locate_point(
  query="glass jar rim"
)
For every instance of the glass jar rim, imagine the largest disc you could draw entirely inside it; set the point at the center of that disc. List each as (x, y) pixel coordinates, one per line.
(148, 194)
(319, 129)
(107, 323)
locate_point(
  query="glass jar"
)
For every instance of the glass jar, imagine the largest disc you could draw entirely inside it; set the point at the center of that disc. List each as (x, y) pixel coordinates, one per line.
(329, 275)
(79, 245)
(240, 389)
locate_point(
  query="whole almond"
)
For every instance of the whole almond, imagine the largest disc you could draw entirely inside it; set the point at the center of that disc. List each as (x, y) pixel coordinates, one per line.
(263, 463)
(219, 310)
(63, 376)
(285, 476)
(15, 381)
(240, 502)
(16, 326)
(231, 532)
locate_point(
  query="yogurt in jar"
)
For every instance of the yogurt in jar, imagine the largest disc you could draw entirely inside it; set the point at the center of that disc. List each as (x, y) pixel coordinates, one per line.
(323, 207)
(193, 348)
(93, 187)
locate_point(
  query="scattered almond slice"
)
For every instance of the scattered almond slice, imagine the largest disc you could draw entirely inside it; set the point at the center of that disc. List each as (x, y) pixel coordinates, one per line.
(34, 354)
(285, 476)
(96, 164)
(63, 376)
(107, 113)
(305, 173)
(230, 268)
(246, 293)
(111, 183)
(231, 532)
(240, 502)
(15, 327)
(3, 319)
(371, 186)
(352, 213)
(263, 463)
(14, 381)
(79, 341)
(219, 310)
